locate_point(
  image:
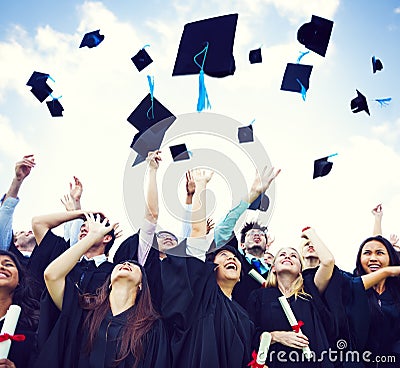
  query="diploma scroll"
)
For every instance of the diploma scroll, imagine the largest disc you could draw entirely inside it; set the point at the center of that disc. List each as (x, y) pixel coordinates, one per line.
(263, 348)
(293, 322)
(10, 323)
(256, 276)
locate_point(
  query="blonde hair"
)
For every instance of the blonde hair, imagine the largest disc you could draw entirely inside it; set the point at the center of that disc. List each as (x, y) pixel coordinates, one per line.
(297, 288)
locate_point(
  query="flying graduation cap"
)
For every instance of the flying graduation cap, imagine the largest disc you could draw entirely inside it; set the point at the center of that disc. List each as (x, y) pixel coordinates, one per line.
(359, 103)
(179, 152)
(55, 107)
(245, 134)
(40, 89)
(316, 34)
(255, 56)
(92, 39)
(297, 78)
(376, 64)
(206, 47)
(322, 166)
(142, 59)
(152, 120)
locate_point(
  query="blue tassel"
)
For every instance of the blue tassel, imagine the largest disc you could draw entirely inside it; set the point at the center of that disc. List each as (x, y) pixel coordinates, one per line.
(151, 85)
(301, 55)
(333, 154)
(203, 101)
(383, 101)
(303, 89)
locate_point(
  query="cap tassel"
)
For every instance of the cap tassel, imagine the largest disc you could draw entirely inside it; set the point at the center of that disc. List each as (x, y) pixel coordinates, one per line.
(383, 101)
(303, 89)
(302, 54)
(150, 79)
(203, 101)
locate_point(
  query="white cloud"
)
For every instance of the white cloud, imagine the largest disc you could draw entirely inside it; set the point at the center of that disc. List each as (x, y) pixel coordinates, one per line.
(396, 10)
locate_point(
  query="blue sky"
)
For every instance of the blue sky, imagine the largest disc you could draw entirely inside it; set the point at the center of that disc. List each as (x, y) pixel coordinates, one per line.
(101, 87)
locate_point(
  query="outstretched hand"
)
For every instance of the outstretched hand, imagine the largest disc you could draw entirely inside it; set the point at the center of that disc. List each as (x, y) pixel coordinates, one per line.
(190, 184)
(97, 227)
(202, 176)
(153, 159)
(76, 189)
(23, 168)
(262, 181)
(377, 211)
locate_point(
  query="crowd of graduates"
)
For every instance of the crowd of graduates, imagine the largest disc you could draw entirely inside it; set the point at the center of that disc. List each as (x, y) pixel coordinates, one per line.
(203, 301)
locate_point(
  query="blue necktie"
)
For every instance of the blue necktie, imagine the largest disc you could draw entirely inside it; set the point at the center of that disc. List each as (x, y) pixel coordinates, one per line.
(257, 264)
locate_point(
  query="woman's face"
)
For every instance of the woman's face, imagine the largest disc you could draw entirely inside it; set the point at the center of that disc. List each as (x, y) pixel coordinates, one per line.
(287, 260)
(9, 276)
(229, 267)
(374, 256)
(127, 271)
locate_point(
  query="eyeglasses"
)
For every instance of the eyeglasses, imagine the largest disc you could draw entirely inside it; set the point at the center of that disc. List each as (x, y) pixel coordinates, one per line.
(255, 232)
(165, 235)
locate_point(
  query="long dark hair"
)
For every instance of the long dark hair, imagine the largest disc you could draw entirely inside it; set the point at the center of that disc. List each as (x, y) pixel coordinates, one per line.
(23, 295)
(139, 320)
(392, 284)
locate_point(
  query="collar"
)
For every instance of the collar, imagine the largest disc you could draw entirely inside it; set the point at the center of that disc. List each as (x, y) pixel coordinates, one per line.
(98, 260)
(264, 267)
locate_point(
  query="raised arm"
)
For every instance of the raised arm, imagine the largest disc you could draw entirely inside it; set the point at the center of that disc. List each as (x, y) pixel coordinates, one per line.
(190, 190)
(327, 261)
(371, 279)
(378, 213)
(57, 270)
(261, 183)
(199, 211)
(43, 223)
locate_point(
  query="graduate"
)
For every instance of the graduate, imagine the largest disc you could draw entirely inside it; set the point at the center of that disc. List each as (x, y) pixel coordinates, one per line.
(15, 288)
(304, 298)
(116, 327)
(209, 329)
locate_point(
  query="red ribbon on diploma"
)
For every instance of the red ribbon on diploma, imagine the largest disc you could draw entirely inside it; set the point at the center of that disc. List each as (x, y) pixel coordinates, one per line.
(253, 363)
(6, 336)
(296, 328)
(306, 228)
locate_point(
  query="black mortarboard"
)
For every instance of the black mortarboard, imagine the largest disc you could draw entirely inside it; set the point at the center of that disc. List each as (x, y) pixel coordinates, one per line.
(359, 103)
(260, 203)
(141, 59)
(245, 134)
(294, 75)
(255, 56)
(92, 39)
(219, 33)
(376, 64)
(322, 167)
(315, 35)
(40, 89)
(152, 121)
(55, 107)
(179, 152)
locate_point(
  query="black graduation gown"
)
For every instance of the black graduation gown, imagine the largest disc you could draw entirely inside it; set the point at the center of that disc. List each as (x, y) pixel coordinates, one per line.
(22, 353)
(209, 330)
(267, 314)
(65, 343)
(247, 284)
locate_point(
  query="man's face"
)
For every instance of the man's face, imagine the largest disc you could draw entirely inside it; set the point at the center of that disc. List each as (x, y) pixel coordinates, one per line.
(24, 241)
(255, 240)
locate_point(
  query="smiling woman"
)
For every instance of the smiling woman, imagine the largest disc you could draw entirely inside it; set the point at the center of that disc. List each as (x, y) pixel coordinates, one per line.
(15, 288)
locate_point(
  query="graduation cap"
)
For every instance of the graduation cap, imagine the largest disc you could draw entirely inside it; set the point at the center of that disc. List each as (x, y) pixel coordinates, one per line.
(152, 120)
(55, 107)
(219, 33)
(179, 152)
(255, 56)
(359, 103)
(142, 59)
(376, 64)
(322, 166)
(296, 78)
(315, 35)
(92, 39)
(245, 134)
(260, 203)
(40, 89)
